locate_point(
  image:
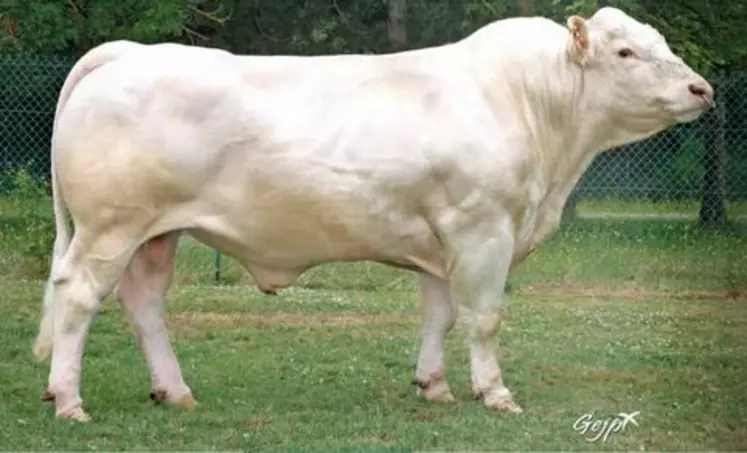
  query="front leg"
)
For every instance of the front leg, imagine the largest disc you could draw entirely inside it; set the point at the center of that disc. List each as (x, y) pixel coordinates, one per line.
(481, 259)
(439, 317)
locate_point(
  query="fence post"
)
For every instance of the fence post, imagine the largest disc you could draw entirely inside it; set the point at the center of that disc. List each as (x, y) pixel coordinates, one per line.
(713, 203)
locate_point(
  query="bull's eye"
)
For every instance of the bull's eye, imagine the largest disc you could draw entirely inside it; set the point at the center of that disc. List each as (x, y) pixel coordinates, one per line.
(625, 53)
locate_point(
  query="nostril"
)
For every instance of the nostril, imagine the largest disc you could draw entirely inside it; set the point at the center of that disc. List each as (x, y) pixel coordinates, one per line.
(697, 90)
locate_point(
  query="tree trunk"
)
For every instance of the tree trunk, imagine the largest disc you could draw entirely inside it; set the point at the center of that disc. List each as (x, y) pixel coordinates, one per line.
(713, 206)
(396, 26)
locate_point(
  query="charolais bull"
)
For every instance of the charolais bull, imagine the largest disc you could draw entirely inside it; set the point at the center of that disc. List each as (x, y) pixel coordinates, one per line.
(453, 162)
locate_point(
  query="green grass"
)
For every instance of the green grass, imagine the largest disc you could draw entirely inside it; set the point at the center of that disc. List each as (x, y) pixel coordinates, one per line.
(607, 316)
(329, 369)
(690, 208)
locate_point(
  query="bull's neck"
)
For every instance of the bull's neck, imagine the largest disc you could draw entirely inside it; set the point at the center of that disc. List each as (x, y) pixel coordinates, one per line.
(573, 140)
(569, 124)
(564, 129)
(556, 114)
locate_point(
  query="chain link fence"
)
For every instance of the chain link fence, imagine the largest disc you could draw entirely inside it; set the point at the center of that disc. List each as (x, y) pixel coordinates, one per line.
(690, 171)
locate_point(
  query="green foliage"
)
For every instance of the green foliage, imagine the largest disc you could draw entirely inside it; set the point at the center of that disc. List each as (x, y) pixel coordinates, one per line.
(586, 8)
(708, 34)
(27, 229)
(74, 26)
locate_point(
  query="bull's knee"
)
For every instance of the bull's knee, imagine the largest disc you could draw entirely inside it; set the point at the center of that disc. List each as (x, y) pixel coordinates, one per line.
(449, 317)
(78, 301)
(487, 325)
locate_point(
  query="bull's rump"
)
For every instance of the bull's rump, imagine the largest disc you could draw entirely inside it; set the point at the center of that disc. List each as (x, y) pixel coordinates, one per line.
(282, 165)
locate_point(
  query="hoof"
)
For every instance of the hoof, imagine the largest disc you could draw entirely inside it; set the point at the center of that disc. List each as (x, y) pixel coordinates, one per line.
(434, 389)
(158, 396)
(495, 395)
(77, 413)
(444, 396)
(476, 393)
(269, 290)
(186, 401)
(503, 404)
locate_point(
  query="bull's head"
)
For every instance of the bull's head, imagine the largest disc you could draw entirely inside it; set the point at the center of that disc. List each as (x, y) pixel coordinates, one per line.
(637, 77)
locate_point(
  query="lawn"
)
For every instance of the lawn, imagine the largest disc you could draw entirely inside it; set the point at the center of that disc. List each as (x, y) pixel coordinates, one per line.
(684, 208)
(607, 317)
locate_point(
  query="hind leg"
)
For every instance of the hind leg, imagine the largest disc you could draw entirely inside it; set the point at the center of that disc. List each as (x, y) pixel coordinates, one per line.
(141, 293)
(86, 275)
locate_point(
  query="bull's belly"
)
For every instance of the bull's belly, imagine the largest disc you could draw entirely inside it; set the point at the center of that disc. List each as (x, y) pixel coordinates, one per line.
(276, 253)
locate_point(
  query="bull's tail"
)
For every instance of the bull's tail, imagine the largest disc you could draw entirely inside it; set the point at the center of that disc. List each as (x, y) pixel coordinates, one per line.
(92, 60)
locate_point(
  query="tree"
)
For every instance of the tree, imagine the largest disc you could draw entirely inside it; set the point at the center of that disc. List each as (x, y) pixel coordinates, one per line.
(44, 27)
(396, 23)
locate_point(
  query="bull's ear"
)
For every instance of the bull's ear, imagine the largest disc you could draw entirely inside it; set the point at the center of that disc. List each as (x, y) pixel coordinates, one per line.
(580, 38)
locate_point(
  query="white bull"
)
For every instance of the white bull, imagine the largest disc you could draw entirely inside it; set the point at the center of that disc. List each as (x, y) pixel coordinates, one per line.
(452, 161)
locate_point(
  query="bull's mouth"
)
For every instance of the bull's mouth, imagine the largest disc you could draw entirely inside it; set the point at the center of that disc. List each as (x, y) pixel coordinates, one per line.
(709, 102)
(684, 112)
(692, 112)
(687, 115)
